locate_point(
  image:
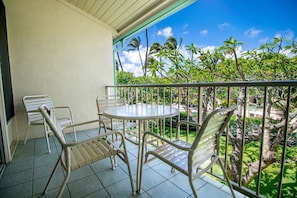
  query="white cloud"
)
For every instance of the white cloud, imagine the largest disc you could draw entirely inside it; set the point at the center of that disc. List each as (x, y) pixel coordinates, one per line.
(252, 32)
(203, 32)
(287, 34)
(133, 56)
(166, 32)
(223, 26)
(136, 70)
(185, 26)
(131, 61)
(209, 48)
(264, 40)
(184, 52)
(287, 53)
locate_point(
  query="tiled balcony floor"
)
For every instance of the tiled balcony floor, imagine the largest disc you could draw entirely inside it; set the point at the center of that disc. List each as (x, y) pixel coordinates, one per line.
(30, 169)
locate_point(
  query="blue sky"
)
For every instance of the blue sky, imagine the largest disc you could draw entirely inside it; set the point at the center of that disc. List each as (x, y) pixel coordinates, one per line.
(208, 23)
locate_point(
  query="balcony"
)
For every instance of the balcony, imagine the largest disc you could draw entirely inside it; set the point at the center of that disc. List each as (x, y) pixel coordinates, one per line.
(43, 36)
(26, 175)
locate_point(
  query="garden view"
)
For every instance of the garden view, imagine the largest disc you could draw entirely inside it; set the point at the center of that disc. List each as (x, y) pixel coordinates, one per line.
(167, 64)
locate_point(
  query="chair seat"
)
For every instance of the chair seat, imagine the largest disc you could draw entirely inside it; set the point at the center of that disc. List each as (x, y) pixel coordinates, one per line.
(172, 155)
(91, 151)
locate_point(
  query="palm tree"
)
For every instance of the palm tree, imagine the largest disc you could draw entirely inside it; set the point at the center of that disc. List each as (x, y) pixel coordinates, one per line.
(135, 45)
(171, 51)
(118, 62)
(146, 53)
(192, 48)
(155, 48)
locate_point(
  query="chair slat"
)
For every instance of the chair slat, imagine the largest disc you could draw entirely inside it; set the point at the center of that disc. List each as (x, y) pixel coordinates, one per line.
(79, 158)
(90, 151)
(94, 147)
(88, 158)
(73, 161)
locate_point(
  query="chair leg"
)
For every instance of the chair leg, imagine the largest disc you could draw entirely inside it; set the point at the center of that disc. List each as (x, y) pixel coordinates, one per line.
(27, 133)
(47, 132)
(192, 187)
(74, 132)
(48, 145)
(113, 162)
(51, 177)
(226, 176)
(128, 166)
(64, 183)
(142, 161)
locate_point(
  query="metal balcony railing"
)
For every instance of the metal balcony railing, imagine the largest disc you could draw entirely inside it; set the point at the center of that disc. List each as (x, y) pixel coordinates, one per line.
(259, 146)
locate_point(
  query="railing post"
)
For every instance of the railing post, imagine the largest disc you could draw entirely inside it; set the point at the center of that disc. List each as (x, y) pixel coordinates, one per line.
(136, 95)
(285, 143)
(200, 95)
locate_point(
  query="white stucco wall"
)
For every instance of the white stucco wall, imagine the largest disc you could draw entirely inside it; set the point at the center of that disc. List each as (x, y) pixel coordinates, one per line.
(56, 50)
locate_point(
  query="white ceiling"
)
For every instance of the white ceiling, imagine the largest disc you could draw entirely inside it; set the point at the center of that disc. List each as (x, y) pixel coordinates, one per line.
(124, 17)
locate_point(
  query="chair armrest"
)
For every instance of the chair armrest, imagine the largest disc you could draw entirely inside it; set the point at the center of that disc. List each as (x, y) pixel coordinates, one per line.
(182, 122)
(84, 123)
(105, 134)
(187, 122)
(62, 107)
(94, 138)
(67, 108)
(165, 140)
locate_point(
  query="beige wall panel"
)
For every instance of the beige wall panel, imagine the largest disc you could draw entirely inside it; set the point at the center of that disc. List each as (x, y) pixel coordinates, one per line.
(55, 50)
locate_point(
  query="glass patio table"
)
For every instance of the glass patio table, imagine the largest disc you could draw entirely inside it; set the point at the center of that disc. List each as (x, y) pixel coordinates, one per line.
(140, 113)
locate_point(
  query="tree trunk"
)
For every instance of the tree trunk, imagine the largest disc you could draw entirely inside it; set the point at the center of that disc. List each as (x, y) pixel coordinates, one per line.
(235, 158)
(268, 155)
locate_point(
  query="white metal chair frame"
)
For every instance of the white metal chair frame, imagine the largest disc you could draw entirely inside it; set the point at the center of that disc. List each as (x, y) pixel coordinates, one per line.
(79, 154)
(190, 159)
(31, 104)
(128, 127)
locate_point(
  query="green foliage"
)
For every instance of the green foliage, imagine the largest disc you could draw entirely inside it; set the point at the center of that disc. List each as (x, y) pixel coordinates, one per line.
(166, 63)
(124, 78)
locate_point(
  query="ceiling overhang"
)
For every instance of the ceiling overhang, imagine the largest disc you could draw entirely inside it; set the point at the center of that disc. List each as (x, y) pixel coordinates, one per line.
(125, 18)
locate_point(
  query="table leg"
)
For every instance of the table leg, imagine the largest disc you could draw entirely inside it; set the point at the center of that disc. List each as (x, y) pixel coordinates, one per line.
(138, 190)
(144, 128)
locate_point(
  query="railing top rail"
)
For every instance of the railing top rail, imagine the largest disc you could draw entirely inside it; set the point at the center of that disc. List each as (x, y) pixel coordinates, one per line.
(219, 84)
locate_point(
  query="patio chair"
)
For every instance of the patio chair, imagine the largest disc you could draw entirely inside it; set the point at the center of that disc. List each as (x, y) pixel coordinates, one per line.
(31, 104)
(76, 155)
(193, 159)
(130, 126)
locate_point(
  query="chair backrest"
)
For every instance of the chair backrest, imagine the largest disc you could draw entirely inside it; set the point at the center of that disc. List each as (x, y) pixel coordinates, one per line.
(207, 141)
(108, 101)
(50, 119)
(32, 103)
